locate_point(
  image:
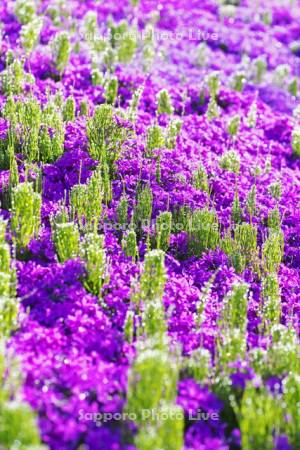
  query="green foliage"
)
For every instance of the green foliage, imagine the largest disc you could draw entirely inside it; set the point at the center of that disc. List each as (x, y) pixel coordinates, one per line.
(13, 78)
(30, 34)
(291, 398)
(163, 230)
(148, 49)
(236, 212)
(230, 161)
(259, 418)
(173, 131)
(29, 116)
(134, 103)
(234, 125)
(84, 108)
(213, 83)
(153, 278)
(272, 252)
(245, 236)
(238, 81)
(200, 179)
(111, 90)
(198, 365)
(123, 40)
(143, 209)
(242, 248)
(51, 147)
(151, 398)
(283, 355)
(25, 10)
(276, 190)
(213, 110)
(69, 110)
(25, 214)
(153, 379)
(86, 202)
(92, 251)
(18, 427)
(274, 221)
(127, 47)
(203, 230)
(155, 139)
(251, 118)
(65, 236)
(296, 141)
(251, 201)
(129, 244)
(8, 304)
(235, 308)
(271, 300)
(260, 68)
(61, 49)
(164, 103)
(122, 211)
(105, 136)
(293, 87)
(231, 348)
(129, 326)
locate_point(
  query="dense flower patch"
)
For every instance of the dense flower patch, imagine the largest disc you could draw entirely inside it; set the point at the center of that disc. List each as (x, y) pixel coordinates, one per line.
(149, 225)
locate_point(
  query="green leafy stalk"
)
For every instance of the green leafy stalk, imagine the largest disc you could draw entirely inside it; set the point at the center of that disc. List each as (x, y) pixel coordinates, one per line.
(26, 210)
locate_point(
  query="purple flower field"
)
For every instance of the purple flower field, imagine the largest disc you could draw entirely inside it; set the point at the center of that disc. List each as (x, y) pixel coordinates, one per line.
(149, 225)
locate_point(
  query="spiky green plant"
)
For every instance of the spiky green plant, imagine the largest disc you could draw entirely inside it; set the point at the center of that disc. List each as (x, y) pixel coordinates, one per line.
(93, 253)
(129, 326)
(143, 209)
(259, 418)
(274, 220)
(203, 231)
(271, 308)
(134, 103)
(61, 49)
(122, 211)
(230, 161)
(245, 236)
(29, 115)
(251, 201)
(30, 34)
(235, 308)
(25, 214)
(155, 139)
(129, 244)
(251, 118)
(111, 90)
(84, 108)
(200, 179)
(163, 230)
(291, 398)
(105, 136)
(65, 236)
(25, 10)
(164, 103)
(18, 427)
(236, 212)
(234, 125)
(238, 80)
(272, 252)
(198, 365)
(296, 141)
(69, 110)
(173, 131)
(153, 278)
